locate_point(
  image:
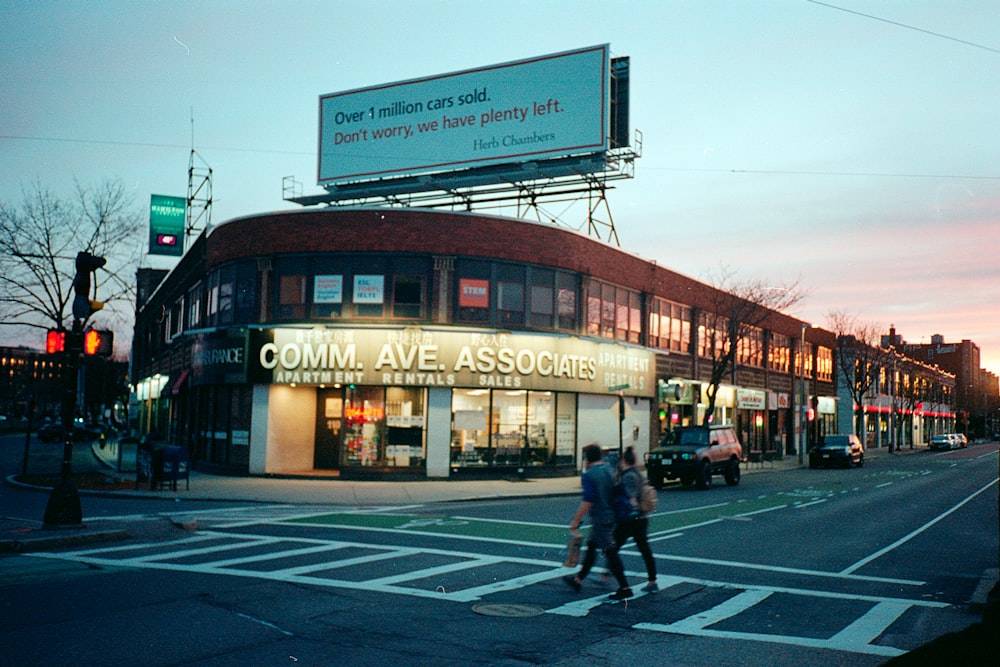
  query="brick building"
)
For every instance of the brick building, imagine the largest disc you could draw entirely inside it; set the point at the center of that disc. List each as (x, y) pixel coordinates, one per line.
(389, 342)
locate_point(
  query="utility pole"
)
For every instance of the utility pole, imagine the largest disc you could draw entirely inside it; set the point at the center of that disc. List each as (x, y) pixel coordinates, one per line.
(63, 508)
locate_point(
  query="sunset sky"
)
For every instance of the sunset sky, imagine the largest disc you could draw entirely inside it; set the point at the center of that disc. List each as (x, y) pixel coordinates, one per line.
(851, 145)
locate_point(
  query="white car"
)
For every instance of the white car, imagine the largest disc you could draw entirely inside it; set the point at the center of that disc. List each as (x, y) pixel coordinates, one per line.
(945, 441)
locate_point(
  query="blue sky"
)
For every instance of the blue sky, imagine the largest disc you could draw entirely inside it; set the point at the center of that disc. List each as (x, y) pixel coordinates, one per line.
(852, 145)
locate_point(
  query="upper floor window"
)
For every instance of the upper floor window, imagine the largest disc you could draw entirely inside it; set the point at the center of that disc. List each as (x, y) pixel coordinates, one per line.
(779, 353)
(669, 326)
(712, 335)
(824, 364)
(194, 299)
(750, 350)
(510, 302)
(369, 295)
(408, 297)
(614, 312)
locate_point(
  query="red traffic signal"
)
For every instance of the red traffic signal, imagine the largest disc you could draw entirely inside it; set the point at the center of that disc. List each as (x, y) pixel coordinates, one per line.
(98, 342)
(55, 341)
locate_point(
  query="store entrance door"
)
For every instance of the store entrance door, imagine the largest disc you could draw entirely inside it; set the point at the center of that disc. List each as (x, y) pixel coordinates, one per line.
(329, 417)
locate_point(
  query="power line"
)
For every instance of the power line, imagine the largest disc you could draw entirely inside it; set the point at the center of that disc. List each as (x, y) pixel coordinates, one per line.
(150, 145)
(789, 172)
(903, 25)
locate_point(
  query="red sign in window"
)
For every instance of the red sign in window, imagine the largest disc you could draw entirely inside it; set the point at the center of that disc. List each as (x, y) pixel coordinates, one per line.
(473, 293)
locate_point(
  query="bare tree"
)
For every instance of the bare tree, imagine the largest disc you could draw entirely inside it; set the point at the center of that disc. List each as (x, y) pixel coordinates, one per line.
(731, 326)
(860, 359)
(39, 241)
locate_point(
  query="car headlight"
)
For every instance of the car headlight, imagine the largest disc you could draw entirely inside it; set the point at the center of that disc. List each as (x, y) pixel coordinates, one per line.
(687, 456)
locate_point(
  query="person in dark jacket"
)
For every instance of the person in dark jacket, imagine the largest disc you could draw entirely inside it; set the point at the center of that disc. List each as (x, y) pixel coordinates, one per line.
(598, 482)
(632, 522)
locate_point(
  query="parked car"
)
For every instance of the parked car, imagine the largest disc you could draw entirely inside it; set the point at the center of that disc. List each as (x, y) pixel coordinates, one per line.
(843, 449)
(693, 454)
(944, 441)
(963, 441)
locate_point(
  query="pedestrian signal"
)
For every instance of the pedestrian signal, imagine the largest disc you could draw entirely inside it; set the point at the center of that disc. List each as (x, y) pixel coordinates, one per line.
(98, 343)
(55, 341)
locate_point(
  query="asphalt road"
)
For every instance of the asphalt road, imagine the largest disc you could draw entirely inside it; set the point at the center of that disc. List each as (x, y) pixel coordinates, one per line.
(805, 567)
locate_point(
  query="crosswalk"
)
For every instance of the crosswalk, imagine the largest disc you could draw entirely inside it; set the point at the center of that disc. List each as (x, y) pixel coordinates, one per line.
(459, 576)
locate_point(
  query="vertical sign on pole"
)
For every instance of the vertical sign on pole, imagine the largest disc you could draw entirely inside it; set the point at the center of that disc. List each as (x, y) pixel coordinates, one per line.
(166, 225)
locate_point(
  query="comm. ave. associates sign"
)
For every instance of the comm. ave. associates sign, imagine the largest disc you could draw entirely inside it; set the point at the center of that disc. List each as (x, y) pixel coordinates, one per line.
(539, 108)
(418, 357)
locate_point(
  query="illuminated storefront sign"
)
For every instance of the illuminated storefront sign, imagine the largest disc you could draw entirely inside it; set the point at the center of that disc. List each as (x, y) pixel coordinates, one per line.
(417, 357)
(751, 399)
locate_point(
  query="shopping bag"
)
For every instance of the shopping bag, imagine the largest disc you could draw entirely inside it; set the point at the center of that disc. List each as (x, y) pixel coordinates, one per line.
(573, 549)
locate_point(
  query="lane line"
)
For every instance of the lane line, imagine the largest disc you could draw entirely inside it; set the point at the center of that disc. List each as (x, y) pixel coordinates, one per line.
(906, 538)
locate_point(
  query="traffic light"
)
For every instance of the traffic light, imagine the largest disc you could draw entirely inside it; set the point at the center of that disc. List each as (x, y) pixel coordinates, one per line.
(55, 341)
(98, 342)
(83, 305)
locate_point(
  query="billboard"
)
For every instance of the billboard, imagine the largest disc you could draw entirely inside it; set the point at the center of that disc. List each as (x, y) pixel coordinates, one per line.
(540, 108)
(166, 225)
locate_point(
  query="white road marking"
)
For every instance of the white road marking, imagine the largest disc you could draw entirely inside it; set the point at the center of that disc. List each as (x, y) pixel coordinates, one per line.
(855, 637)
(906, 538)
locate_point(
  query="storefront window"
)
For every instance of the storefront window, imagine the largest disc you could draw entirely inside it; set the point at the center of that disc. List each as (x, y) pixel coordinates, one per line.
(364, 427)
(512, 428)
(404, 420)
(541, 428)
(507, 425)
(470, 436)
(565, 436)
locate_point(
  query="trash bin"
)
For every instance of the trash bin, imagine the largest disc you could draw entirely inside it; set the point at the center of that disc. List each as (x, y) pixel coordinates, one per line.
(174, 467)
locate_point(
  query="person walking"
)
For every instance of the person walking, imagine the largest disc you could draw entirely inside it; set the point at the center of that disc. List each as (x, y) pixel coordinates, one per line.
(598, 482)
(632, 521)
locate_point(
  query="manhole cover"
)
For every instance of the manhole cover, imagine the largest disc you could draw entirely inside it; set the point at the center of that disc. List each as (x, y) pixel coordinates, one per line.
(508, 610)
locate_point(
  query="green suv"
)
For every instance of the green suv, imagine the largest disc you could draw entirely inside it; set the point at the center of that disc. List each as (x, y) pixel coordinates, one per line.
(693, 454)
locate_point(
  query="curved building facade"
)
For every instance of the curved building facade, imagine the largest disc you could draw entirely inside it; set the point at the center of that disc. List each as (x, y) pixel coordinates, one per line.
(375, 342)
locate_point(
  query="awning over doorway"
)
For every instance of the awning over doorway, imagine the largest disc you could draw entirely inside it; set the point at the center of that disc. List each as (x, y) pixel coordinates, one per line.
(175, 388)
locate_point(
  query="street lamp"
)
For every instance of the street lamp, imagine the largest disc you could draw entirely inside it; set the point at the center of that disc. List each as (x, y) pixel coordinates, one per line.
(804, 394)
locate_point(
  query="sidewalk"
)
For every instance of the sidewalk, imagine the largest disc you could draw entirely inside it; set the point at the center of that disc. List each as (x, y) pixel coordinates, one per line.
(18, 535)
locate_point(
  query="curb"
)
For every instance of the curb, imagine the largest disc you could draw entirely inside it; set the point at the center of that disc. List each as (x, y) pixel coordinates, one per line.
(48, 542)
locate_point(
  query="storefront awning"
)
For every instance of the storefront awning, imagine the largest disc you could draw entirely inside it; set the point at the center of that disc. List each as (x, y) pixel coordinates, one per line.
(175, 388)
